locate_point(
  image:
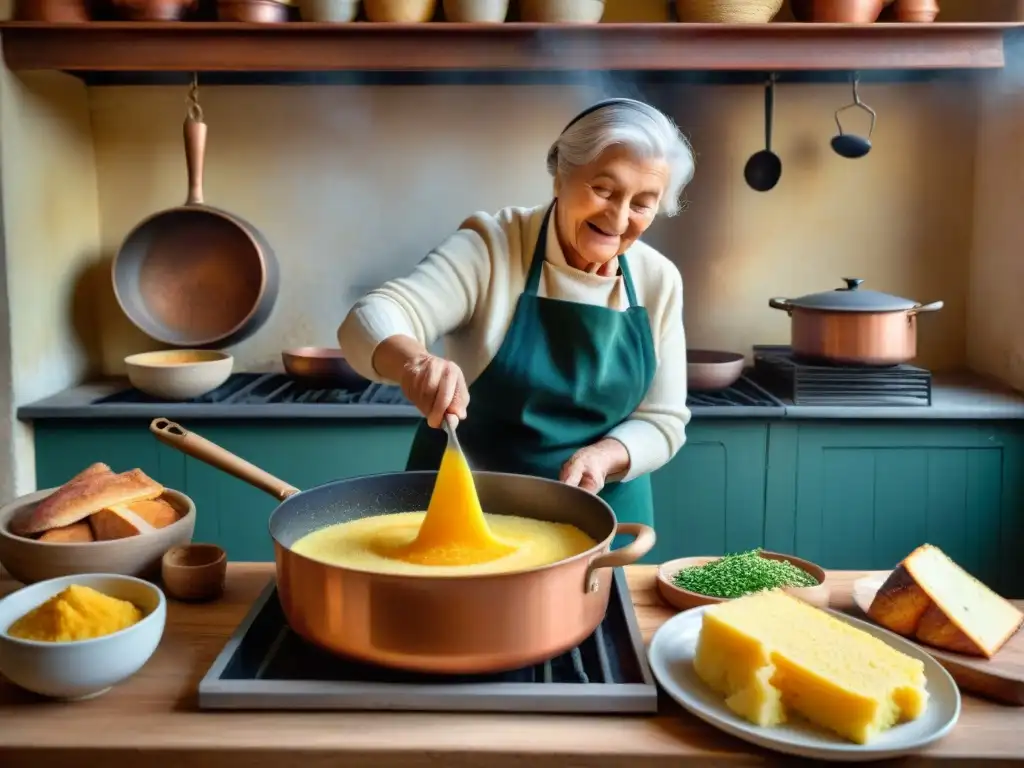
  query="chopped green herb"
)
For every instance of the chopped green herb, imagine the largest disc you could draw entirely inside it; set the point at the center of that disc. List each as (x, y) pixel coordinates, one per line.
(740, 574)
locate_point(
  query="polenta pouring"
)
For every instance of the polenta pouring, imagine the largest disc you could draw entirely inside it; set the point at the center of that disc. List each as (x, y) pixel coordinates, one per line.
(454, 530)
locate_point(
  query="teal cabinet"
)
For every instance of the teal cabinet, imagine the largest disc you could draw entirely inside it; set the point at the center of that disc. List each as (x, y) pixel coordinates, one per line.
(709, 499)
(846, 494)
(863, 495)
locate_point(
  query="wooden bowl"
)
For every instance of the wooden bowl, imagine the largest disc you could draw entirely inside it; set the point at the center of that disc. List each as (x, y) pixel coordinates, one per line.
(684, 599)
(727, 11)
(194, 571)
(29, 561)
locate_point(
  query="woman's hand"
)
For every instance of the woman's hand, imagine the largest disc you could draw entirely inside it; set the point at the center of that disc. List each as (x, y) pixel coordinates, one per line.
(590, 467)
(436, 387)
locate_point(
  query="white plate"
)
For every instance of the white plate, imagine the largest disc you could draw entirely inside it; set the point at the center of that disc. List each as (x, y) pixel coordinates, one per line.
(671, 654)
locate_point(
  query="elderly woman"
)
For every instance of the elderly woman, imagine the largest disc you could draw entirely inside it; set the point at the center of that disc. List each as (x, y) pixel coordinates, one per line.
(565, 354)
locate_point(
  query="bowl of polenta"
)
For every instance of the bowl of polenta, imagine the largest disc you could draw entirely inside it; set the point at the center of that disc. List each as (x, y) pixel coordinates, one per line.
(75, 637)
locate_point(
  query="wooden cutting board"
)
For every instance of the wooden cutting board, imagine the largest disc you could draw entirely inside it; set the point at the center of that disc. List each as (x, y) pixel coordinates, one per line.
(1000, 678)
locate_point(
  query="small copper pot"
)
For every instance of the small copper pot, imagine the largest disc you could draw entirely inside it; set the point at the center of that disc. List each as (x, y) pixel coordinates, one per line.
(853, 326)
(434, 624)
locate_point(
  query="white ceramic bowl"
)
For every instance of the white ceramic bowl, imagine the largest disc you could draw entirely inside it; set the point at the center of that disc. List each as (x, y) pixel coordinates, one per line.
(178, 374)
(83, 668)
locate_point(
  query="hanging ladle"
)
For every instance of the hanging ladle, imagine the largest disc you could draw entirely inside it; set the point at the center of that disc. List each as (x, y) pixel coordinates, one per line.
(850, 145)
(764, 168)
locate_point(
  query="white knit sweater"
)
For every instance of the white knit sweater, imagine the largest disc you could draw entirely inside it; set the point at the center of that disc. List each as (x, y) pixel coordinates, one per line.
(466, 291)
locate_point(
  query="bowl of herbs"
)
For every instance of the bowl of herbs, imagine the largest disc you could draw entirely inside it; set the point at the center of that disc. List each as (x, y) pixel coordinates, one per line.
(690, 582)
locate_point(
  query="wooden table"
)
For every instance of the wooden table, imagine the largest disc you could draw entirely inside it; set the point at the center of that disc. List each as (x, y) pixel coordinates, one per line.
(152, 720)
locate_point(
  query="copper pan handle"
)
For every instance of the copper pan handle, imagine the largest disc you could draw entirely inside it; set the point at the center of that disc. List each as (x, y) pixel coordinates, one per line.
(191, 444)
(194, 132)
(642, 543)
(783, 304)
(933, 307)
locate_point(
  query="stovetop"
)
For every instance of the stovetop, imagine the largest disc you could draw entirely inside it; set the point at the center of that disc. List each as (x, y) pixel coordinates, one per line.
(267, 666)
(277, 394)
(816, 383)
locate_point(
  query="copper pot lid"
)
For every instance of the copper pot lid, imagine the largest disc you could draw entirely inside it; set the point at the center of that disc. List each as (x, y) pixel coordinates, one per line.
(853, 298)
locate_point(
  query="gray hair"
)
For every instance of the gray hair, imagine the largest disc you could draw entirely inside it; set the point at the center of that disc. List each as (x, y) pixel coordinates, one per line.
(641, 129)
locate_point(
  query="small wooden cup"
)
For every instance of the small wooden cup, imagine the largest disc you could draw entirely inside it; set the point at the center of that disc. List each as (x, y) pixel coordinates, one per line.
(194, 572)
(684, 599)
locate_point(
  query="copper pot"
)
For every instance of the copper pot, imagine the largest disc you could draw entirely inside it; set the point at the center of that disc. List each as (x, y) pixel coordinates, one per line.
(837, 11)
(434, 624)
(854, 326)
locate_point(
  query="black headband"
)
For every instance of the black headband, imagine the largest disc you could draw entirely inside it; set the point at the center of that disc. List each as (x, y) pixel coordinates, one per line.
(597, 106)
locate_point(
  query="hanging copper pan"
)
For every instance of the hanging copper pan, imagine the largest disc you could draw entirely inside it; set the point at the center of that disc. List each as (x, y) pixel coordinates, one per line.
(196, 276)
(441, 624)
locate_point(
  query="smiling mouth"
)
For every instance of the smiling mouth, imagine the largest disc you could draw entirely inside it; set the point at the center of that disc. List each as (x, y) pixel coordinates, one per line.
(600, 231)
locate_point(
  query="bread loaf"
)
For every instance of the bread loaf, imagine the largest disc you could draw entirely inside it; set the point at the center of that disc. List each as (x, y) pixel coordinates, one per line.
(930, 598)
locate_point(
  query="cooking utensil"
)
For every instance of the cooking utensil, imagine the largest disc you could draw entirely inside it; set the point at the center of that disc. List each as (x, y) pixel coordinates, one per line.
(854, 326)
(195, 276)
(838, 11)
(324, 366)
(850, 145)
(178, 374)
(1000, 678)
(684, 599)
(708, 370)
(443, 624)
(764, 168)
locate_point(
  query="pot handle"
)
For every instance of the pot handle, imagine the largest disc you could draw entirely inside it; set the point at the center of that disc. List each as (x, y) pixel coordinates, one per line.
(641, 544)
(933, 307)
(783, 304)
(191, 444)
(194, 133)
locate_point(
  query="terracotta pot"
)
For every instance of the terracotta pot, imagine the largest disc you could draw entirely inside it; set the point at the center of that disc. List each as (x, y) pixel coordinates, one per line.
(837, 11)
(562, 11)
(917, 11)
(253, 11)
(63, 11)
(853, 326)
(476, 11)
(727, 11)
(153, 10)
(400, 11)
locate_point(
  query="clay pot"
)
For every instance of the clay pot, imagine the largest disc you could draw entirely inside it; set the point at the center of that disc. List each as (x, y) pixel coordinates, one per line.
(153, 10)
(476, 11)
(63, 11)
(917, 11)
(400, 11)
(837, 11)
(727, 11)
(252, 11)
(562, 11)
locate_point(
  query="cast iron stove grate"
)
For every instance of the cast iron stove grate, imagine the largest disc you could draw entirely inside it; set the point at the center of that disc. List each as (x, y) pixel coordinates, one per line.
(838, 385)
(267, 666)
(277, 388)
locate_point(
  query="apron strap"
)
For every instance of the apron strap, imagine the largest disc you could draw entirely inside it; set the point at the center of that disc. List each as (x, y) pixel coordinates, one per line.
(627, 280)
(537, 263)
(539, 252)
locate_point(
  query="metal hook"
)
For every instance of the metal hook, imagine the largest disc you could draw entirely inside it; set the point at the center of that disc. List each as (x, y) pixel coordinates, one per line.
(195, 112)
(857, 104)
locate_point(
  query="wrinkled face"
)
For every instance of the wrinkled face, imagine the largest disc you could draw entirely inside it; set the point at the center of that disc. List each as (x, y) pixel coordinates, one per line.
(605, 206)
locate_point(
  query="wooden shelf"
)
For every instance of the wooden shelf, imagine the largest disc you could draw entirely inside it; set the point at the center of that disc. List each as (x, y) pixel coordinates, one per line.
(361, 46)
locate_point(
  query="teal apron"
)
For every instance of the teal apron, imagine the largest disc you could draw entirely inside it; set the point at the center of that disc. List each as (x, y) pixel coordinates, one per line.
(564, 376)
